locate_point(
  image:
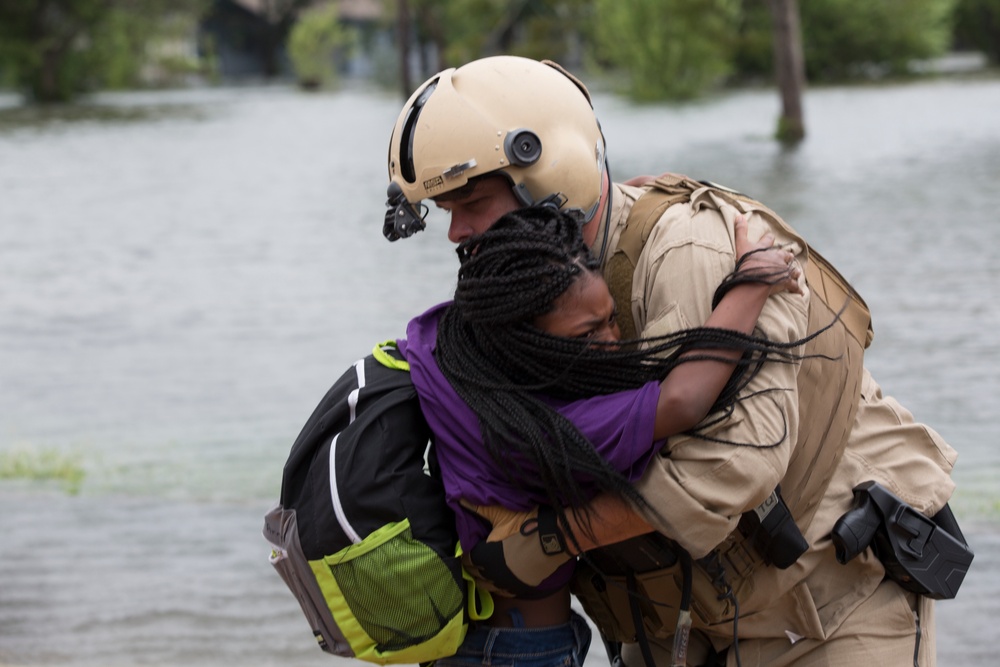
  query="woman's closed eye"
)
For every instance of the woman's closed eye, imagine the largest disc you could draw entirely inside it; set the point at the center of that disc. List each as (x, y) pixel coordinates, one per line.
(603, 329)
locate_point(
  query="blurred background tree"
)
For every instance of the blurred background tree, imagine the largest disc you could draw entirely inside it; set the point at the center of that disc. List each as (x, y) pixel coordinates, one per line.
(317, 43)
(462, 30)
(977, 26)
(56, 49)
(647, 49)
(846, 40)
(278, 18)
(666, 49)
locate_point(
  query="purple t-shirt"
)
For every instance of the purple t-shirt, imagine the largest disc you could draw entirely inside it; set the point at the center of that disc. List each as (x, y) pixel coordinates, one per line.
(619, 425)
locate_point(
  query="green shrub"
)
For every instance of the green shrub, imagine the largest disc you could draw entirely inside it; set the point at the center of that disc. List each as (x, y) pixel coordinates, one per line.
(667, 49)
(313, 46)
(849, 38)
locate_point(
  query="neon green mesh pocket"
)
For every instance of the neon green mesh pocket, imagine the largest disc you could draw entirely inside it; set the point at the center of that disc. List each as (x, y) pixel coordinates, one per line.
(394, 595)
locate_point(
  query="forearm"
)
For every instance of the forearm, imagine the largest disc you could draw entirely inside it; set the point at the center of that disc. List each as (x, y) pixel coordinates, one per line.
(740, 308)
(609, 519)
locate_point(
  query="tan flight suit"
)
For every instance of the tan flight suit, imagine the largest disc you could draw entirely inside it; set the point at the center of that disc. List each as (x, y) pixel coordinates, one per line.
(817, 612)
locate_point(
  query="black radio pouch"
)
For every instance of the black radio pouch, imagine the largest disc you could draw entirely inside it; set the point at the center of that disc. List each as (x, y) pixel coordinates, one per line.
(773, 531)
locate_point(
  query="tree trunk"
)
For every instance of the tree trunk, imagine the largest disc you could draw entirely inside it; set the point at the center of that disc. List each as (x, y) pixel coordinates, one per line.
(403, 27)
(47, 79)
(431, 28)
(268, 50)
(790, 68)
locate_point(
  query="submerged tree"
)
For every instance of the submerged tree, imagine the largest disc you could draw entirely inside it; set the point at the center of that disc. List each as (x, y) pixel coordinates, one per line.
(789, 68)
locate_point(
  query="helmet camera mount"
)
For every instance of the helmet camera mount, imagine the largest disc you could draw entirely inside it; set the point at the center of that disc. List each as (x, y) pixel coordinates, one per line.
(402, 219)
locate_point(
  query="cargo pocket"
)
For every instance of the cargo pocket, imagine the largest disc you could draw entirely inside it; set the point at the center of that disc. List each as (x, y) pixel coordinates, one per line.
(605, 600)
(394, 597)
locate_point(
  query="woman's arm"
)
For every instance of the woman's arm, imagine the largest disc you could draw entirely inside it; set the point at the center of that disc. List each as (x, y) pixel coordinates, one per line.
(686, 395)
(689, 390)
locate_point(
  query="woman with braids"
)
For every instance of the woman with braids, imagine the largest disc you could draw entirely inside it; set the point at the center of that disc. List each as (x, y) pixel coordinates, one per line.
(534, 401)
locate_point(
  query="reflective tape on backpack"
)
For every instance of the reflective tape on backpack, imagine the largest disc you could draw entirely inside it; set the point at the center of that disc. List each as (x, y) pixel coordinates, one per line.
(338, 508)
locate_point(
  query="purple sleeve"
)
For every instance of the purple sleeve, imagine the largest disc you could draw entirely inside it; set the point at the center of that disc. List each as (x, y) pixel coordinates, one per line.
(619, 425)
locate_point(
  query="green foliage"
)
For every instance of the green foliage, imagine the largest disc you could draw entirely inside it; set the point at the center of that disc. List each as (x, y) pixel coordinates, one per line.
(668, 49)
(977, 26)
(465, 30)
(847, 38)
(34, 33)
(42, 465)
(550, 29)
(54, 50)
(116, 43)
(471, 27)
(314, 43)
(753, 56)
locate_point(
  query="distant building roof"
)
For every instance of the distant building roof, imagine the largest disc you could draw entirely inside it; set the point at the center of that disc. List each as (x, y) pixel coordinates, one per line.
(365, 10)
(357, 10)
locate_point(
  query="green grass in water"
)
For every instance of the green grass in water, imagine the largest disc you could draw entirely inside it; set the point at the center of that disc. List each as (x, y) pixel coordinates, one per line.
(43, 465)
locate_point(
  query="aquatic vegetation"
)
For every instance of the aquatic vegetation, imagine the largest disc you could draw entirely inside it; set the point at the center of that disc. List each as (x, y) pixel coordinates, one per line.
(43, 465)
(976, 502)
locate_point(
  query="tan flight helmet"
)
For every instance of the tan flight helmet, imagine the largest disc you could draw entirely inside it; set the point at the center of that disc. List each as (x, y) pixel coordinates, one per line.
(531, 121)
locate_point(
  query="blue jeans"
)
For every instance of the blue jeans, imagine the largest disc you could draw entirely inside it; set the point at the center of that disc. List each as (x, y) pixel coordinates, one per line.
(557, 646)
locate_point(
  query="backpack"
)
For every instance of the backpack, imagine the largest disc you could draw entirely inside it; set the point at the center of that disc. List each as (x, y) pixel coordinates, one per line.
(362, 535)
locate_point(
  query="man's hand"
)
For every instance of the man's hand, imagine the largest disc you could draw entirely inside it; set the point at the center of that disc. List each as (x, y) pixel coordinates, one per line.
(772, 264)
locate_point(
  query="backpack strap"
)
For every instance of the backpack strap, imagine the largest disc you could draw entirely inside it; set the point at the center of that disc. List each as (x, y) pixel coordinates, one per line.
(387, 354)
(664, 192)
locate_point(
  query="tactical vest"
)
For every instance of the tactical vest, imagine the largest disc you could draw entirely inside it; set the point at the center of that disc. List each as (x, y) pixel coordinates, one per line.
(829, 393)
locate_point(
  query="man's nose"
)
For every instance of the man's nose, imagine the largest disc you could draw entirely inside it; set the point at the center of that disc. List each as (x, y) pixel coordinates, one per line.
(459, 228)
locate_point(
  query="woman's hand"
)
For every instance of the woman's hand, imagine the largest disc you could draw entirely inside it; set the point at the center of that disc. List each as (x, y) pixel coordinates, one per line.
(762, 260)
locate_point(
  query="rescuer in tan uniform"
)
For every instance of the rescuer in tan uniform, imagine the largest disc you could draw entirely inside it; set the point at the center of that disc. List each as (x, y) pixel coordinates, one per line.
(504, 132)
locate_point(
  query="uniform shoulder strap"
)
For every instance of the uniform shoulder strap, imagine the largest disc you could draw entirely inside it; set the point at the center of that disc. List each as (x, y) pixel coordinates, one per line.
(661, 194)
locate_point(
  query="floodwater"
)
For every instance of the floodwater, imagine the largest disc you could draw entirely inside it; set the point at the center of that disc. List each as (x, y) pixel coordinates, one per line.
(183, 274)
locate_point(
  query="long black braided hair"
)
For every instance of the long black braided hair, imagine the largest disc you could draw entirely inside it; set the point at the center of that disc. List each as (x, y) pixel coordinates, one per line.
(499, 363)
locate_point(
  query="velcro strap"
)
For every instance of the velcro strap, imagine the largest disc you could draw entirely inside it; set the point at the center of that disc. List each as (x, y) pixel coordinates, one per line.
(549, 535)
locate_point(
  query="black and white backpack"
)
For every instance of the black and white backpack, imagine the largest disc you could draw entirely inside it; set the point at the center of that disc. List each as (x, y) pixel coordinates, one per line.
(362, 535)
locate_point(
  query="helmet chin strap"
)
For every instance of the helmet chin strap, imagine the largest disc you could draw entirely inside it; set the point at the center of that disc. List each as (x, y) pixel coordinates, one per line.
(607, 212)
(558, 200)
